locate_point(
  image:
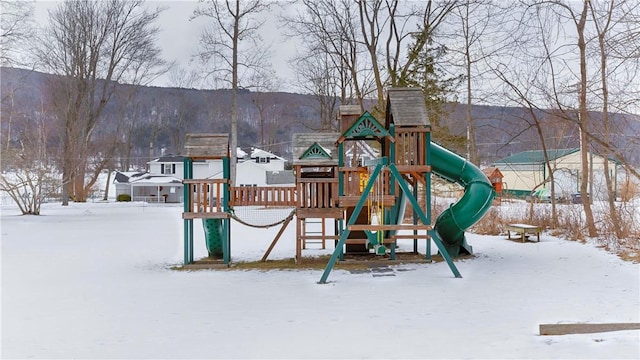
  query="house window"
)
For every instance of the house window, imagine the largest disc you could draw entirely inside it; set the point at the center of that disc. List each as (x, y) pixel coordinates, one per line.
(262, 160)
(168, 168)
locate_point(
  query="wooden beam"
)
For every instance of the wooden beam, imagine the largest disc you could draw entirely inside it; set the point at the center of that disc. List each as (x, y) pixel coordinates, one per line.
(205, 215)
(275, 239)
(411, 236)
(565, 329)
(361, 227)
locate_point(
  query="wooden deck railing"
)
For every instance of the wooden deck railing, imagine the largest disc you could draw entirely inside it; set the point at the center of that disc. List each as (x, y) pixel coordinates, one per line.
(205, 195)
(356, 179)
(315, 193)
(263, 196)
(410, 146)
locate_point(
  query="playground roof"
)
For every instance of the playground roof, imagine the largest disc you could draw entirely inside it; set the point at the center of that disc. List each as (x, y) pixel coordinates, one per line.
(535, 156)
(207, 146)
(406, 107)
(366, 127)
(302, 142)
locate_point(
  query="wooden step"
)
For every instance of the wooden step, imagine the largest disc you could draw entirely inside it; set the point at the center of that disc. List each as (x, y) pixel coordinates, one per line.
(372, 227)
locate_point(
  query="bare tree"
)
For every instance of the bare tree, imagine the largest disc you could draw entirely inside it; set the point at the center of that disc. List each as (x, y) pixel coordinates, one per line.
(93, 45)
(369, 40)
(544, 68)
(230, 44)
(520, 93)
(16, 28)
(330, 33)
(477, 36)
(32, 177)
(607, 19)
(317, 76)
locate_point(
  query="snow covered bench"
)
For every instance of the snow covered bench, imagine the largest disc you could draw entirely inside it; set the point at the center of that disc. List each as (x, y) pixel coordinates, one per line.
(523, 229)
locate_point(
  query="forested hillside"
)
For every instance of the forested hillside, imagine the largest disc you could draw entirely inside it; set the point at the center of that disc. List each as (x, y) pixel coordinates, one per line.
(151, 121)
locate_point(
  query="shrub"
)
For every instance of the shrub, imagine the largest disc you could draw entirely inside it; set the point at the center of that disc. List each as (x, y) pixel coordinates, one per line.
(123, 197)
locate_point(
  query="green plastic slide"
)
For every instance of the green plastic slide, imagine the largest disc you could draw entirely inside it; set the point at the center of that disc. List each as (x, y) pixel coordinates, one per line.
(478, 195)
(213, 237)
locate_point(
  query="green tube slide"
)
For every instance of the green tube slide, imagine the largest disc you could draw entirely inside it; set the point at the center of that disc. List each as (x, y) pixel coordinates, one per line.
(213, 237)
(469, 209)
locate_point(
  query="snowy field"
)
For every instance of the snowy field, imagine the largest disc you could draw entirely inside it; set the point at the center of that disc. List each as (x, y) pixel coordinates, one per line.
(94, 281)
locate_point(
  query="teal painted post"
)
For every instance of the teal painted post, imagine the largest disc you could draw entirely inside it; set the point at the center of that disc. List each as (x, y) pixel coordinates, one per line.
(427, 190)
(415, 222)
(395, 210)
(340, 189)
(187, 223)
(190, 241)
(352, 220)
(423, 217)
(186, 241)
(226, 223)
(340, 173)
(392, 159)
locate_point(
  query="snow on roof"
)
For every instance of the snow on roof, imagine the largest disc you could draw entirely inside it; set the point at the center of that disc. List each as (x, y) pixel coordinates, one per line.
(143, 178)
(169, 159)
(124, 177)
(155, 179)
(259, 153)
(240, 153)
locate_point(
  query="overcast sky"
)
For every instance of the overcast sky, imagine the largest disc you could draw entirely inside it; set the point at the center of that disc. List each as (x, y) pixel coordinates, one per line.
(179, 36)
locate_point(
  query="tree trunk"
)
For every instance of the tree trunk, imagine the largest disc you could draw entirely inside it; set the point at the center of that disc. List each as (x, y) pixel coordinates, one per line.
(610, 184)
(584, 119)
(233, 145)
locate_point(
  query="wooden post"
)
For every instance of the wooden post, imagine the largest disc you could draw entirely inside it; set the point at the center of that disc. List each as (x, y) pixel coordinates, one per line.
(275, 239)
(565, 329)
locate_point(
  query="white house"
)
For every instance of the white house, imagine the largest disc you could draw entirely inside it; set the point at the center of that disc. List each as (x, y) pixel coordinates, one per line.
(148, 187)
(526, 170)
(163, 182)
(360, 150)
(267, 160)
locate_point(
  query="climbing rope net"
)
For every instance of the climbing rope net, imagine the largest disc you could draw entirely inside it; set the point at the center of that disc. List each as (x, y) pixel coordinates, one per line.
(262, 216)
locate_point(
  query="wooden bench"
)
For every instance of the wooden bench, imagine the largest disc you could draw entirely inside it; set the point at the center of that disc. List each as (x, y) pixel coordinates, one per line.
(523, 229)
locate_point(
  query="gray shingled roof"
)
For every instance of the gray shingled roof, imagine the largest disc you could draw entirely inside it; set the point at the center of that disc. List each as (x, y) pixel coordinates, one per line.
(406, 107)
(301, 142)
(169, 159)
(208, 146)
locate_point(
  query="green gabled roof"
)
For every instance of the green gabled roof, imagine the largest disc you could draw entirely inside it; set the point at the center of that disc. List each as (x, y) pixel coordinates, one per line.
(365, 127)
(535, 156)
(315, 151)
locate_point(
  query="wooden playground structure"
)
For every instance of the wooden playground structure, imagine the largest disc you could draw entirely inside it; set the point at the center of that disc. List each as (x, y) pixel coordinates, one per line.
(373, 203)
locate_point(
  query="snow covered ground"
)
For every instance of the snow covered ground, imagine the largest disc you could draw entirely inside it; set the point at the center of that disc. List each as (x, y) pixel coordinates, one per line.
(94, 281)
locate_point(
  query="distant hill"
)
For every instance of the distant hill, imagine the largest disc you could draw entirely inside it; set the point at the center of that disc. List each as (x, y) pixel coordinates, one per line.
(170, 113)
(503, 131)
